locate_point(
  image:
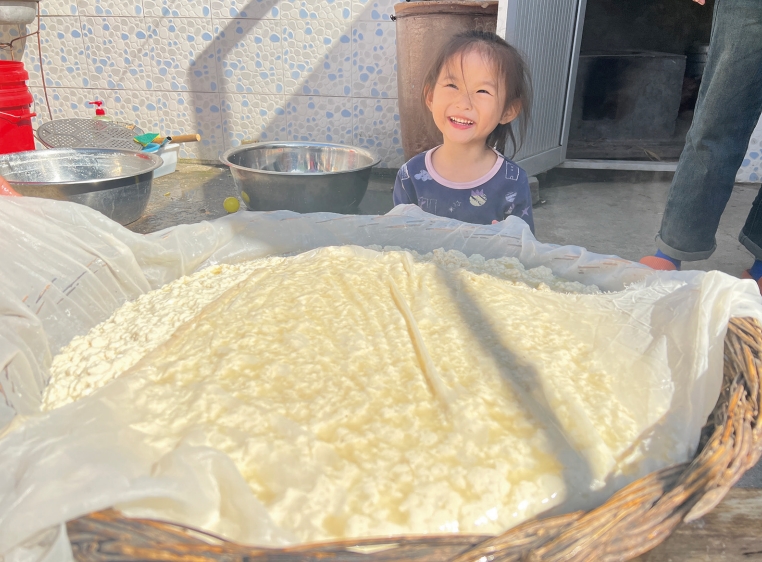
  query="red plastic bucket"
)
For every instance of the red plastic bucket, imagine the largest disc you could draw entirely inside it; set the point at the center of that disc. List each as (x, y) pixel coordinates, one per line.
(16, 133)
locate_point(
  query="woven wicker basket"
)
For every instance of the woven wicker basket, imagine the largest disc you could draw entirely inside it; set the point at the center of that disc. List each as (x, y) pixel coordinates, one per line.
(631, 522)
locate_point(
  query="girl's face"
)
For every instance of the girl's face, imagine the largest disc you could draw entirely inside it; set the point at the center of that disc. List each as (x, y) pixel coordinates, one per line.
(467, 102)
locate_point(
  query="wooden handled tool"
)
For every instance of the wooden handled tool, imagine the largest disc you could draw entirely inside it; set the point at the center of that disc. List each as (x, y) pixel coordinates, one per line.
(178, 139)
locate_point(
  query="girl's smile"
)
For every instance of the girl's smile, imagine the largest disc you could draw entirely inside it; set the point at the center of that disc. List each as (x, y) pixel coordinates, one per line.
(460, 122)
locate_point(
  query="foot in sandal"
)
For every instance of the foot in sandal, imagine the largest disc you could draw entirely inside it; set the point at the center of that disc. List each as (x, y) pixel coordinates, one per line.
(661, 262)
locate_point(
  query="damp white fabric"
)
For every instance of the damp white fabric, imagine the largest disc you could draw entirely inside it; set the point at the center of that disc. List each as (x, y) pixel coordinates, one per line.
(67, 269)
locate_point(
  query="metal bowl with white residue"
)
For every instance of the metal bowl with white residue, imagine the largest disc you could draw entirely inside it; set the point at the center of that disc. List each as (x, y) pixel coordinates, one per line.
(300, 176)
(115, 182)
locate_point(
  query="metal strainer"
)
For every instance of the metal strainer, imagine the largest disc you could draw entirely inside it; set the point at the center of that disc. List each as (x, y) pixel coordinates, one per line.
(89, 133)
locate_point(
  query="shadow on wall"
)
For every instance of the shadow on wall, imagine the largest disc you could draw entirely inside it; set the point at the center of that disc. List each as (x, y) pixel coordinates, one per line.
(308, 114)
(214, 53)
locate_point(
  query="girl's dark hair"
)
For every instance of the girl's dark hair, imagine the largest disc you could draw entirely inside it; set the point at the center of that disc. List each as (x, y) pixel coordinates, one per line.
(514, 78)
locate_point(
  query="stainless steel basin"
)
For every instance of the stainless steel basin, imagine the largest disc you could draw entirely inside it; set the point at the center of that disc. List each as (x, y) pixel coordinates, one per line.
(299, 176)
(115, 182)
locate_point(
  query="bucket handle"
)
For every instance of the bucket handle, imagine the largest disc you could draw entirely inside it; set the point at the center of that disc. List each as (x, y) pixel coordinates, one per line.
(17, 118)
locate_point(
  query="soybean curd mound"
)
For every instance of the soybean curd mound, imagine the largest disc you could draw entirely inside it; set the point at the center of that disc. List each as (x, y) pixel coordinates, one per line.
(365, 392)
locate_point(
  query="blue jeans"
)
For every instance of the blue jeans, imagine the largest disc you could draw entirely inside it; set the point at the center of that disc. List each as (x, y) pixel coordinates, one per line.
(728, 108)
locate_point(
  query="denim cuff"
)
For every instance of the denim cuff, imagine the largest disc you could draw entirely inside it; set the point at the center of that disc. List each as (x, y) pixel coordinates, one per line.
(687, 256)
(751, 246)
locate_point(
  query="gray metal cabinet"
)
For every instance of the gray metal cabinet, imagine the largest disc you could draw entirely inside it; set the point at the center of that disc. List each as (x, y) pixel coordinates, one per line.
(549, 33)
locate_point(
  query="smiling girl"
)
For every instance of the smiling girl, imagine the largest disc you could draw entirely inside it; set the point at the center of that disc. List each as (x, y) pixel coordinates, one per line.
(476, 89)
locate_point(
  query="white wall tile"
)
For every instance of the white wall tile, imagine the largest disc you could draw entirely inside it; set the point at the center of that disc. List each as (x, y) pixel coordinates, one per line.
(320, 119)
(377, 128)
(374, 60)
(10, 32)
(252, 56)
(182, 55)
(177, 8)
(186, 113)
(65, 103)
(32, 64)
(373, 10)
(317, 10)
(133, 107)
(118, 52)
(253, 117)
(110, 7)
(251, 9)
(58, 8)
(40, 108)
(316, 58)
(63, 52)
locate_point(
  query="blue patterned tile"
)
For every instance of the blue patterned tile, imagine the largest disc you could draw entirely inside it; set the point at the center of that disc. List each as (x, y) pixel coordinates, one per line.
(63, 54)
(251, 56)
(7, 34)
(40, 107)
(132, 107)
(373, 10)
(183, 55)
(58, 8)
(316, 58)
(374, 60)
(320, 119)
(65, 103)
(258, 117)
(377, 128)
(110, 8)
(118, 52)
(317, 10)
(251, 9)
(177, 8)
(187, 113)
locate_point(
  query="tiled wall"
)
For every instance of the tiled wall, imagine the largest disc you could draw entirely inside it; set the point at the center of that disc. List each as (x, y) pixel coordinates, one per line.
(230, 70)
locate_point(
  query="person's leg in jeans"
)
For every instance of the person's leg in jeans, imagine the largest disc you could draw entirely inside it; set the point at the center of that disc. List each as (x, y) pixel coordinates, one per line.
(728, 108)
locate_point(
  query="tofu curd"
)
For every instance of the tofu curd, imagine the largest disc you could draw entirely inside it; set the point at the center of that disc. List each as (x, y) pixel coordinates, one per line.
(366, 392)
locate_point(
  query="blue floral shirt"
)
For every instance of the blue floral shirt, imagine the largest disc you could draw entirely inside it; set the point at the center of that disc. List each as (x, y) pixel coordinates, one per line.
(502, 192)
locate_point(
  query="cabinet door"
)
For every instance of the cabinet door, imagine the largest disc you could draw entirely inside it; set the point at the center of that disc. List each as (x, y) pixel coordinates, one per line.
(549, 33)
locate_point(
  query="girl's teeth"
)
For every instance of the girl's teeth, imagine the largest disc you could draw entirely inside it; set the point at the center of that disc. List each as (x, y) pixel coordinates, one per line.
(461, 121)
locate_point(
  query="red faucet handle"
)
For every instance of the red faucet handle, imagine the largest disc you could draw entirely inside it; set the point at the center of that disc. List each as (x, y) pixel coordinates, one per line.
(98, 110)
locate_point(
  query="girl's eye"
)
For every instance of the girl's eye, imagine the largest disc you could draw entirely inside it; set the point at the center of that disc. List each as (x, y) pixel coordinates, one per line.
(451, 86)
(484, 92)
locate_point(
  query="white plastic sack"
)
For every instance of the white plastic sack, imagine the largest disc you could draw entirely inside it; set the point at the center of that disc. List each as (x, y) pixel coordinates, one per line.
(66, 268)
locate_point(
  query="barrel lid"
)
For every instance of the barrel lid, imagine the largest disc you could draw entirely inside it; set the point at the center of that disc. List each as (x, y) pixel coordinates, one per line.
(12, 71)
(457, 7)
(15, 97)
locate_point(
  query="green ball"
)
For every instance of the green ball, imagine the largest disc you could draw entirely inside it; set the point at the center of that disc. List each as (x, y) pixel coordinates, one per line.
(231, 204)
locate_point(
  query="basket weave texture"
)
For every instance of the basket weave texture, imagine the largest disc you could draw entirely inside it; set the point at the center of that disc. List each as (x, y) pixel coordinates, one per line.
(631, 522)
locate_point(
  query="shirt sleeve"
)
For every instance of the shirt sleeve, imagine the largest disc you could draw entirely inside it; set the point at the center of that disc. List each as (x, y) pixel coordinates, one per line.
(523, 203)
(404, 193)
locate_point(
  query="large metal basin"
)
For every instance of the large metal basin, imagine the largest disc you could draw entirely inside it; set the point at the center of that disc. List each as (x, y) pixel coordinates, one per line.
(299, 176)
(115, 182)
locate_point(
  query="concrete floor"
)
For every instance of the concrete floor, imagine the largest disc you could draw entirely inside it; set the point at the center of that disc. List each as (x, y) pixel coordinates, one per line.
(621, 216)
(611, 213)
(605, 212)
